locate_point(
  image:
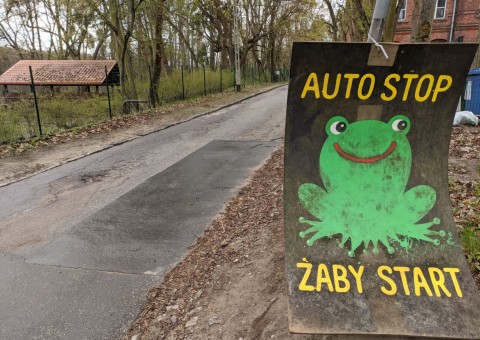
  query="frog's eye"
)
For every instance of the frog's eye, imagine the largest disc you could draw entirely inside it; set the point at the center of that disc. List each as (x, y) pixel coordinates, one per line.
(338, 127)
(399, 125)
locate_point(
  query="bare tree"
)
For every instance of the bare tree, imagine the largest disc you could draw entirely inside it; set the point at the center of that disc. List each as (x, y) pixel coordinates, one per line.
(120, 17)
(333, 24)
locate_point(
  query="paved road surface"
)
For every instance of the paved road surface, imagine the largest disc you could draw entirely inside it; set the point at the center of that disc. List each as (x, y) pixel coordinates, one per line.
(80, 244)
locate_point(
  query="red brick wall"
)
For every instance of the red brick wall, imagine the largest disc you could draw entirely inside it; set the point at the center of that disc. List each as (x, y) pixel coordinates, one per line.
(467, 21)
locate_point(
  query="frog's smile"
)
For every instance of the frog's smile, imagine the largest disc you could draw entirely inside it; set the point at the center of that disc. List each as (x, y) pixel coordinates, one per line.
(373, 159)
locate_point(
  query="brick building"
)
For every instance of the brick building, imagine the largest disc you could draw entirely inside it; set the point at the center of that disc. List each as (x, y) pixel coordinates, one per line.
(454, 21)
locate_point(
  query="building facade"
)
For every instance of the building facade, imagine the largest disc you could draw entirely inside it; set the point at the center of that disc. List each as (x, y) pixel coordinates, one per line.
(454, 21)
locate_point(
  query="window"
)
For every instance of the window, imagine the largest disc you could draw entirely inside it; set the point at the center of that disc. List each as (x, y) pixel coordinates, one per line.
(440, 9)
(403, 12)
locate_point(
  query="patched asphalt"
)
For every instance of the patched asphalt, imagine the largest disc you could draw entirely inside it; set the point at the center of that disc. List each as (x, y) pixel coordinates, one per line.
(90, 282)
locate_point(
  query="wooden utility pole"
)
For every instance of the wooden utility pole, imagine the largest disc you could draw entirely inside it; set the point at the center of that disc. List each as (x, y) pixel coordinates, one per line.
(392, 20)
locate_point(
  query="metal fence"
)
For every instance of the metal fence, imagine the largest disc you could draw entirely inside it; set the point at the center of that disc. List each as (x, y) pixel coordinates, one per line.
(33, 111)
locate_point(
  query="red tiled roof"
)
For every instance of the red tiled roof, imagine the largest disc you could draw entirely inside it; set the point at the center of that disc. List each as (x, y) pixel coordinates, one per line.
(58, 72)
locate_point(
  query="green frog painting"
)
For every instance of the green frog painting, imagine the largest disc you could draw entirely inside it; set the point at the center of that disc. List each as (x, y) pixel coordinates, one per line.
(365, 167)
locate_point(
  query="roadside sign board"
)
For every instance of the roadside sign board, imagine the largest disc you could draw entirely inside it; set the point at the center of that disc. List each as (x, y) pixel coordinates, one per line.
(371, 245)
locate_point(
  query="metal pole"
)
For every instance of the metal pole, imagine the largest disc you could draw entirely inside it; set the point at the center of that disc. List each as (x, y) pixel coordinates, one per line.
(183, 85)
(379, 18)
(35, 100)
(450, 39)
(108, 94)
(236, 41)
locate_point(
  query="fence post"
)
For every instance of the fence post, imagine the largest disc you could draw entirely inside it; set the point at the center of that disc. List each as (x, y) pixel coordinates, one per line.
(183, 85)
(108, 94)
(204, 82)
(221, 79)
(35, 100)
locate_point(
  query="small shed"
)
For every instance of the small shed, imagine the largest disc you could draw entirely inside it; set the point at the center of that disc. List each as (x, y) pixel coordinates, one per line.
(52, 73)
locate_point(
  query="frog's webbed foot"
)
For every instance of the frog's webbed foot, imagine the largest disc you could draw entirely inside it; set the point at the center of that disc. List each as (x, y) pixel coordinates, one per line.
(317, 228)
(372, 244)
(422, 231)
(355, 243)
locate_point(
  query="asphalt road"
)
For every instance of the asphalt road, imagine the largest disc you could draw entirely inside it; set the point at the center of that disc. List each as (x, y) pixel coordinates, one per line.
(80, 244)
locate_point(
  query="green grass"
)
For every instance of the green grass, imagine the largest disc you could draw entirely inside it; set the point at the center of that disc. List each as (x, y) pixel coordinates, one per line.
(470, 237)
(61, 111)
(170, 88)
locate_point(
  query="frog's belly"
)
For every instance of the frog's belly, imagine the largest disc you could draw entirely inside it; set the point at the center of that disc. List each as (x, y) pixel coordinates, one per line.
(368, 212)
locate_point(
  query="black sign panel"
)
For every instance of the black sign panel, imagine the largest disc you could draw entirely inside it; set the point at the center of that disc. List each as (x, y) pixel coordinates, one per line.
(371, 245)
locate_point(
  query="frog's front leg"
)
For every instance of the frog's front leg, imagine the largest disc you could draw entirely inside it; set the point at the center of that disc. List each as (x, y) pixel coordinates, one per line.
(416, 203)
(313, 199)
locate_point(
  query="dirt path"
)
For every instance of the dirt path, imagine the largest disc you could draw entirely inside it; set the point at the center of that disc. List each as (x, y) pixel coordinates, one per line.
(22, 160)
(231, 285)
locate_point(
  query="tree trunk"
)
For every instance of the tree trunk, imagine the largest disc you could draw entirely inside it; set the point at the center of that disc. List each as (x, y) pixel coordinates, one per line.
(128, 63)
(273, 74)
(158, 55)
(122, 35)
(422, 20)
(392, 20)
(333, 19)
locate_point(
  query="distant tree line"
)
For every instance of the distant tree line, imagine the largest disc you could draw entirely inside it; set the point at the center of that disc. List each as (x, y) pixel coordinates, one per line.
(152, 38)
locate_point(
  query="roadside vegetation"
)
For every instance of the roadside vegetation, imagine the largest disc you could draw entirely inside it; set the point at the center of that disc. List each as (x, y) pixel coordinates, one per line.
(152, 118)
(466, 211)
(70, 110)
(464, 183)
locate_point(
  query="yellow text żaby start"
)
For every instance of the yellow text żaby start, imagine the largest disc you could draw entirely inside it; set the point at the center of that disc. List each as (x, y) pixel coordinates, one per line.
(390, 280)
